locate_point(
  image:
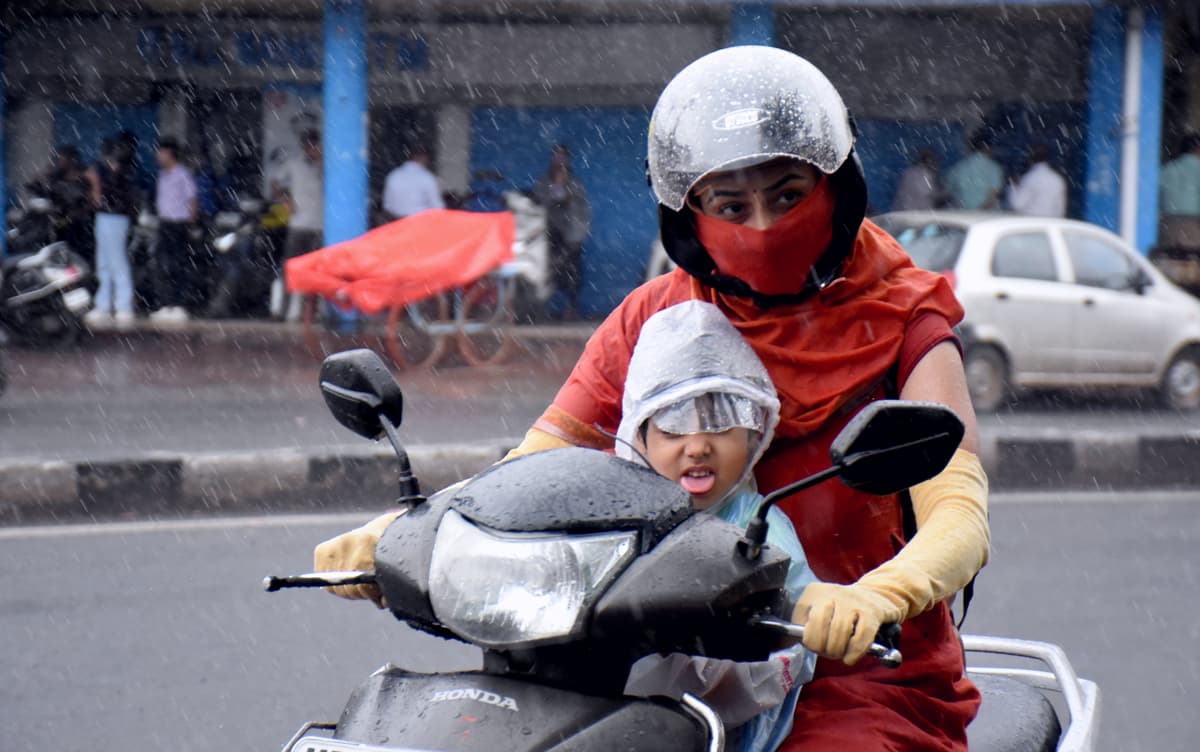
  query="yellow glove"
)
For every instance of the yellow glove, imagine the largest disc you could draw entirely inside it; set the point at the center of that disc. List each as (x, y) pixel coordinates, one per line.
(841, 621)
(950, 546)
(354, 551)
(536, 440)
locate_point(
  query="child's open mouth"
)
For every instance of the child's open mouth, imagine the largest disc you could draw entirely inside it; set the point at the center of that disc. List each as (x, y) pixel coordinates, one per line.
(698, 481)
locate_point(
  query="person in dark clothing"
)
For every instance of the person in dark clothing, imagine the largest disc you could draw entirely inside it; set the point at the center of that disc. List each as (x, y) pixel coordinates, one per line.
(67, 187)
(115, 198)
(568, 221)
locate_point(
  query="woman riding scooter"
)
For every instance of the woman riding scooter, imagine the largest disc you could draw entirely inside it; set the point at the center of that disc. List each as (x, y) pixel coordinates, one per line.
(761, 204)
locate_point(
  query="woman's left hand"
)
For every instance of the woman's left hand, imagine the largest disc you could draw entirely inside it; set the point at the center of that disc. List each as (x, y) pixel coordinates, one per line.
(841, 621)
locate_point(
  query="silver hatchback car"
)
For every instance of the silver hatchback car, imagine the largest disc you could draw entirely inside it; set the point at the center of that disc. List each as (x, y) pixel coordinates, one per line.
(1056, 303)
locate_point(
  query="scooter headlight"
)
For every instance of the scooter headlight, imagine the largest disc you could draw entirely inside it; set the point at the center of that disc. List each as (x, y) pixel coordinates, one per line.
(519, 589)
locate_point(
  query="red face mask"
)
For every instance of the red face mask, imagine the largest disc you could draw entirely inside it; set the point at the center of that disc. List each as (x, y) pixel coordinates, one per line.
(777, 260)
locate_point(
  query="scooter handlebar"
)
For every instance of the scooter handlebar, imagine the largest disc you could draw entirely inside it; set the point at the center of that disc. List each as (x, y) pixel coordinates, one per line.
(271, 583)
(884, 648)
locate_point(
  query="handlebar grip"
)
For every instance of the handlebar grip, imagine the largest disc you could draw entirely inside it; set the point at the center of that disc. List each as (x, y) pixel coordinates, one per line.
(884, 648)
(272, 583)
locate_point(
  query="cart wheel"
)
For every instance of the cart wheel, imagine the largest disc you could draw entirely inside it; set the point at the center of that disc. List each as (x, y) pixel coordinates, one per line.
(484, 337)
(409, 341)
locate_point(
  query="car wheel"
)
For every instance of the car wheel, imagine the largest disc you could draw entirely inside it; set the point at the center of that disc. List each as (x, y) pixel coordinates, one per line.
(1181, 381)
(987, 378)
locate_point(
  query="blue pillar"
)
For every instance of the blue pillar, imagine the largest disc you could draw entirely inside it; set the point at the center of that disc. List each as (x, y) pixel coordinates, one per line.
(1102, 198)
(752, 23)
(345, 111)
(1149, 144)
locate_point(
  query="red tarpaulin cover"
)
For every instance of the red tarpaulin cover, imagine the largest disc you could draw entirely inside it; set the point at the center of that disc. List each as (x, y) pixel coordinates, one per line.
(406, 260)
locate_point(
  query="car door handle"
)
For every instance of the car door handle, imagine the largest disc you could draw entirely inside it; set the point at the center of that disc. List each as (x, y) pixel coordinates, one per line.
(1001, 296)
(1089, 302)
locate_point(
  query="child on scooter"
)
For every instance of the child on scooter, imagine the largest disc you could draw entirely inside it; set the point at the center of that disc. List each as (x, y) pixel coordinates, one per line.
(699, 407)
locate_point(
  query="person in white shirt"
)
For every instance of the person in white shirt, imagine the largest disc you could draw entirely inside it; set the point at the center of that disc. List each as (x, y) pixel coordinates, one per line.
(302, 188)
(1041, 191)
(411, 188)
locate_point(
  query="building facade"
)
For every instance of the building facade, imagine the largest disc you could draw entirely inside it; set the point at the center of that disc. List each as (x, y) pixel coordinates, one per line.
(488, 86)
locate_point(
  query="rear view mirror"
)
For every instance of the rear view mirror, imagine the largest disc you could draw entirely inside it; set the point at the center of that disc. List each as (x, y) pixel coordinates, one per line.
(358, 390)
(892, 445)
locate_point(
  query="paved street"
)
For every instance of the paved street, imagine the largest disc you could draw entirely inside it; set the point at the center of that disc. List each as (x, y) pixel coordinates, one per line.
(150, 637)
(116, 397)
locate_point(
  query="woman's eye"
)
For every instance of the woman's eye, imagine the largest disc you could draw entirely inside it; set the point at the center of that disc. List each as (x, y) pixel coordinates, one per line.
(788, 198)
(731, 210)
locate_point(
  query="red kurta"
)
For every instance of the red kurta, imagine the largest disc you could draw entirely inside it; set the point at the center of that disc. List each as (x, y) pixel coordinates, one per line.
(827, 357)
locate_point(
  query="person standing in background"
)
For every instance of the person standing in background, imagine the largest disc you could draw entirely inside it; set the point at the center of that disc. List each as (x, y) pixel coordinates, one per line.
(1179, 198)
(411, 188)
(177, 206)
(975, 181)
(1041, 191)
(302, 189)
(919, 189)
(115, 199)
(568, 221)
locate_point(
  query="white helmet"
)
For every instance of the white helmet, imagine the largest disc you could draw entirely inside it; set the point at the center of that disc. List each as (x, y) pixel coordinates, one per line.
(742, 106)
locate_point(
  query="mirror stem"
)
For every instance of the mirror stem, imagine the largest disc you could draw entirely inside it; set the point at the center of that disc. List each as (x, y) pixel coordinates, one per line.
(751, 545)
(410, 489)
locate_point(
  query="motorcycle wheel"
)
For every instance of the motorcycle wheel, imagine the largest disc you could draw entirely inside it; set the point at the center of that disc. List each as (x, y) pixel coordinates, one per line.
(484, 320)
(50, 328)
(412, 338)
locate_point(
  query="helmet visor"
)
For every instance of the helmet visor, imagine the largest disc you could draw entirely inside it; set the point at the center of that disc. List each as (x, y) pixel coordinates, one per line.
(710, 413)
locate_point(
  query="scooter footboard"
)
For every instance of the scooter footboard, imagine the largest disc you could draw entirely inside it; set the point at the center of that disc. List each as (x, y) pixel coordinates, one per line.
(475, 712)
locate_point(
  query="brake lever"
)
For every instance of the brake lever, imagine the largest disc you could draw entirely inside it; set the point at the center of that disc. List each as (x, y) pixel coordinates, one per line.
(884, 648)
(271, 583)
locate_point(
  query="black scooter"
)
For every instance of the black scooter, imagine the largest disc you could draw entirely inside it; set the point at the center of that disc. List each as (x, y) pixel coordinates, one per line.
(567, 566)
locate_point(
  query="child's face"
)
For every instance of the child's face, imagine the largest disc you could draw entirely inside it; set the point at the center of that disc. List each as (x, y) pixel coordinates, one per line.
(707, 465)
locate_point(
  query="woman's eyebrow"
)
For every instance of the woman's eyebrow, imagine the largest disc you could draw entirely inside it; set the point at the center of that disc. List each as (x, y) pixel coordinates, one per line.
(725, 192)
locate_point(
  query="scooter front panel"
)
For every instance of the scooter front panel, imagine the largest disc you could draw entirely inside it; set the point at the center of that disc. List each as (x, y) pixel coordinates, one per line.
(476, 712)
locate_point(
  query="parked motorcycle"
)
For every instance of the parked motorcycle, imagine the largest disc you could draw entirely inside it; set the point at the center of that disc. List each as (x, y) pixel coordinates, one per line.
(31, 226)
(43, 295)
(564, 567)
(246, 263)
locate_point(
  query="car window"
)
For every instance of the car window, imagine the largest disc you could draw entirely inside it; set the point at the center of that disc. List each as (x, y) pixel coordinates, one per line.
(932, 246)
(1098, 262)
(1025, 255)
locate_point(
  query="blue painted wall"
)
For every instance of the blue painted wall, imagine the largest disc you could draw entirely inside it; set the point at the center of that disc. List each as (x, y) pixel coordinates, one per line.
(886, 148)
(609, 150)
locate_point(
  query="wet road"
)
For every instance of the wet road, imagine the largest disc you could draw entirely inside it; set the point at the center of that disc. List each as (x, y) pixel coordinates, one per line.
(113, 398)
(144, 637)
(116, 397)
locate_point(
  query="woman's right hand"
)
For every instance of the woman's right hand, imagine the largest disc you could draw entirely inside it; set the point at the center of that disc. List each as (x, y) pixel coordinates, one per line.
(354, 551)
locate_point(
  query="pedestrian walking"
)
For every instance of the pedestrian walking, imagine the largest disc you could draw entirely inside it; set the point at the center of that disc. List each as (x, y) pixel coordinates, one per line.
(411, 188)
(115, 199)
(176, 203)
(1040, 191)
(302, 188)
(568, 221)
(976, 181)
